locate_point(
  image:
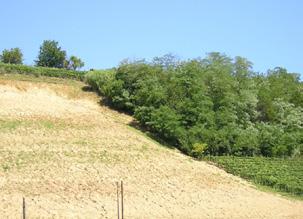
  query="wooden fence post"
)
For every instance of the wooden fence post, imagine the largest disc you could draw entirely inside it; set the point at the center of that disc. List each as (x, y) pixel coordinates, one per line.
(118, 207)
(23, 208)
(122, 201)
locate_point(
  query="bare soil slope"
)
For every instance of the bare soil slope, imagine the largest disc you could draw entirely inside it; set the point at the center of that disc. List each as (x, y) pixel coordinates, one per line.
(64, 152)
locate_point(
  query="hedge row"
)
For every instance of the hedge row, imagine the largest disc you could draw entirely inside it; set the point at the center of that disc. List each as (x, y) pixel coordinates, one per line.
(41, 71)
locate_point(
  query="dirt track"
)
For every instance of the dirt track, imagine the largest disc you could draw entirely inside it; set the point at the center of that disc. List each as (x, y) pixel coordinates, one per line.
(64, 152)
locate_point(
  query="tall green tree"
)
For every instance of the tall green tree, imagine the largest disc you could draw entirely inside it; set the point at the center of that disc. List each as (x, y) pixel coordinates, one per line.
(51, 55)
(12, 56)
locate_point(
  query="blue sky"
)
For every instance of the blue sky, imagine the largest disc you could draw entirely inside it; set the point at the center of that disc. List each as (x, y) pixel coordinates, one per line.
(267, 32)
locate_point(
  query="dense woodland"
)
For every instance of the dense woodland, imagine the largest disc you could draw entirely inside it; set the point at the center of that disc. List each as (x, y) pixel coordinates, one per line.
(211, 106)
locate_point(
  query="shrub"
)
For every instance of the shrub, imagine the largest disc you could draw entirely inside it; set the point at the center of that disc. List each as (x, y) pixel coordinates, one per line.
(166, 122)
(198, 149)
(40, 71)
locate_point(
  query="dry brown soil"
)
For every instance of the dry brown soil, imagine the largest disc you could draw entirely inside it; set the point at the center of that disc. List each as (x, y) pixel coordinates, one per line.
(63, 152)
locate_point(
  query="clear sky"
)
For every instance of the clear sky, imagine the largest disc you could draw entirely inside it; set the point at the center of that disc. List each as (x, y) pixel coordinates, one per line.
(267, 32)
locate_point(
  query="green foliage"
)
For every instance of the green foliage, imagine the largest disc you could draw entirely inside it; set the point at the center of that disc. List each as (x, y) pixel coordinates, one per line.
(284, 175)
(40, 71)
(103, 81)
(167, 124)
(278, 84)
(246, 142)
(73, 63)
(51, 55)
(198, 149)
(217, 101)
(12, 56)
(9, 125)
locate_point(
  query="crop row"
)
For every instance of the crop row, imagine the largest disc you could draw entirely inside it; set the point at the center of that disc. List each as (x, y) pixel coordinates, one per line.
(284, 175)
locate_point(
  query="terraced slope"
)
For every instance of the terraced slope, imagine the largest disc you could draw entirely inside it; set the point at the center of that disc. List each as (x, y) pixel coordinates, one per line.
(63, 152)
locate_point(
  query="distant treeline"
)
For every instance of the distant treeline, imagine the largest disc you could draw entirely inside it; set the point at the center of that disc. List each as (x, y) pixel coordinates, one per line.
(50, 55)
(215, 105)
(52, 61)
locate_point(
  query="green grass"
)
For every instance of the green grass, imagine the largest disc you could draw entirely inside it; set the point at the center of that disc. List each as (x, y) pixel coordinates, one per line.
(44, 79)
(9, 124)
(12, 124)
(279, 174)
(18, 160)
(41, 71)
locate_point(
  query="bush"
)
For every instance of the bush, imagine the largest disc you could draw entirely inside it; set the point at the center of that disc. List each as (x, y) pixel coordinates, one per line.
(166, 122)
(40, 71)
(198, 150)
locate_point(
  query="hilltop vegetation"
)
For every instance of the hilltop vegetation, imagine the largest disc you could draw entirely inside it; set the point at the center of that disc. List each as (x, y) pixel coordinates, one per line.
(40, 71)
(216, 105)
(50, 55)
(12, 56)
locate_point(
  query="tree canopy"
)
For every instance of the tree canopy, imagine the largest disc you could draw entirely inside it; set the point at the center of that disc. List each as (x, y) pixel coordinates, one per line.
(74, 63)
(51, 55)
(12, 56)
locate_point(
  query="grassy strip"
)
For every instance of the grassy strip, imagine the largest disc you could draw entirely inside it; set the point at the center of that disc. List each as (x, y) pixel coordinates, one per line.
(41, 71)
(43, 79)
(11, 124)
(283, 175)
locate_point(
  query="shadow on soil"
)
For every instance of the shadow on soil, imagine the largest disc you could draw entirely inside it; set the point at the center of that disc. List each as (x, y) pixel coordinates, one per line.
(87, 88)
(144, 130)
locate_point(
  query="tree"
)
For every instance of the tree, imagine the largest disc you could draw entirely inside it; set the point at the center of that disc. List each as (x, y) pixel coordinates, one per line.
(166, 122)
(51, 55)
(74, 63)
(167, 61)
(12, 56)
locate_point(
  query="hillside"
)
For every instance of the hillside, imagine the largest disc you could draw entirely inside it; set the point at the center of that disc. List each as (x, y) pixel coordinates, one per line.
(63, 151)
